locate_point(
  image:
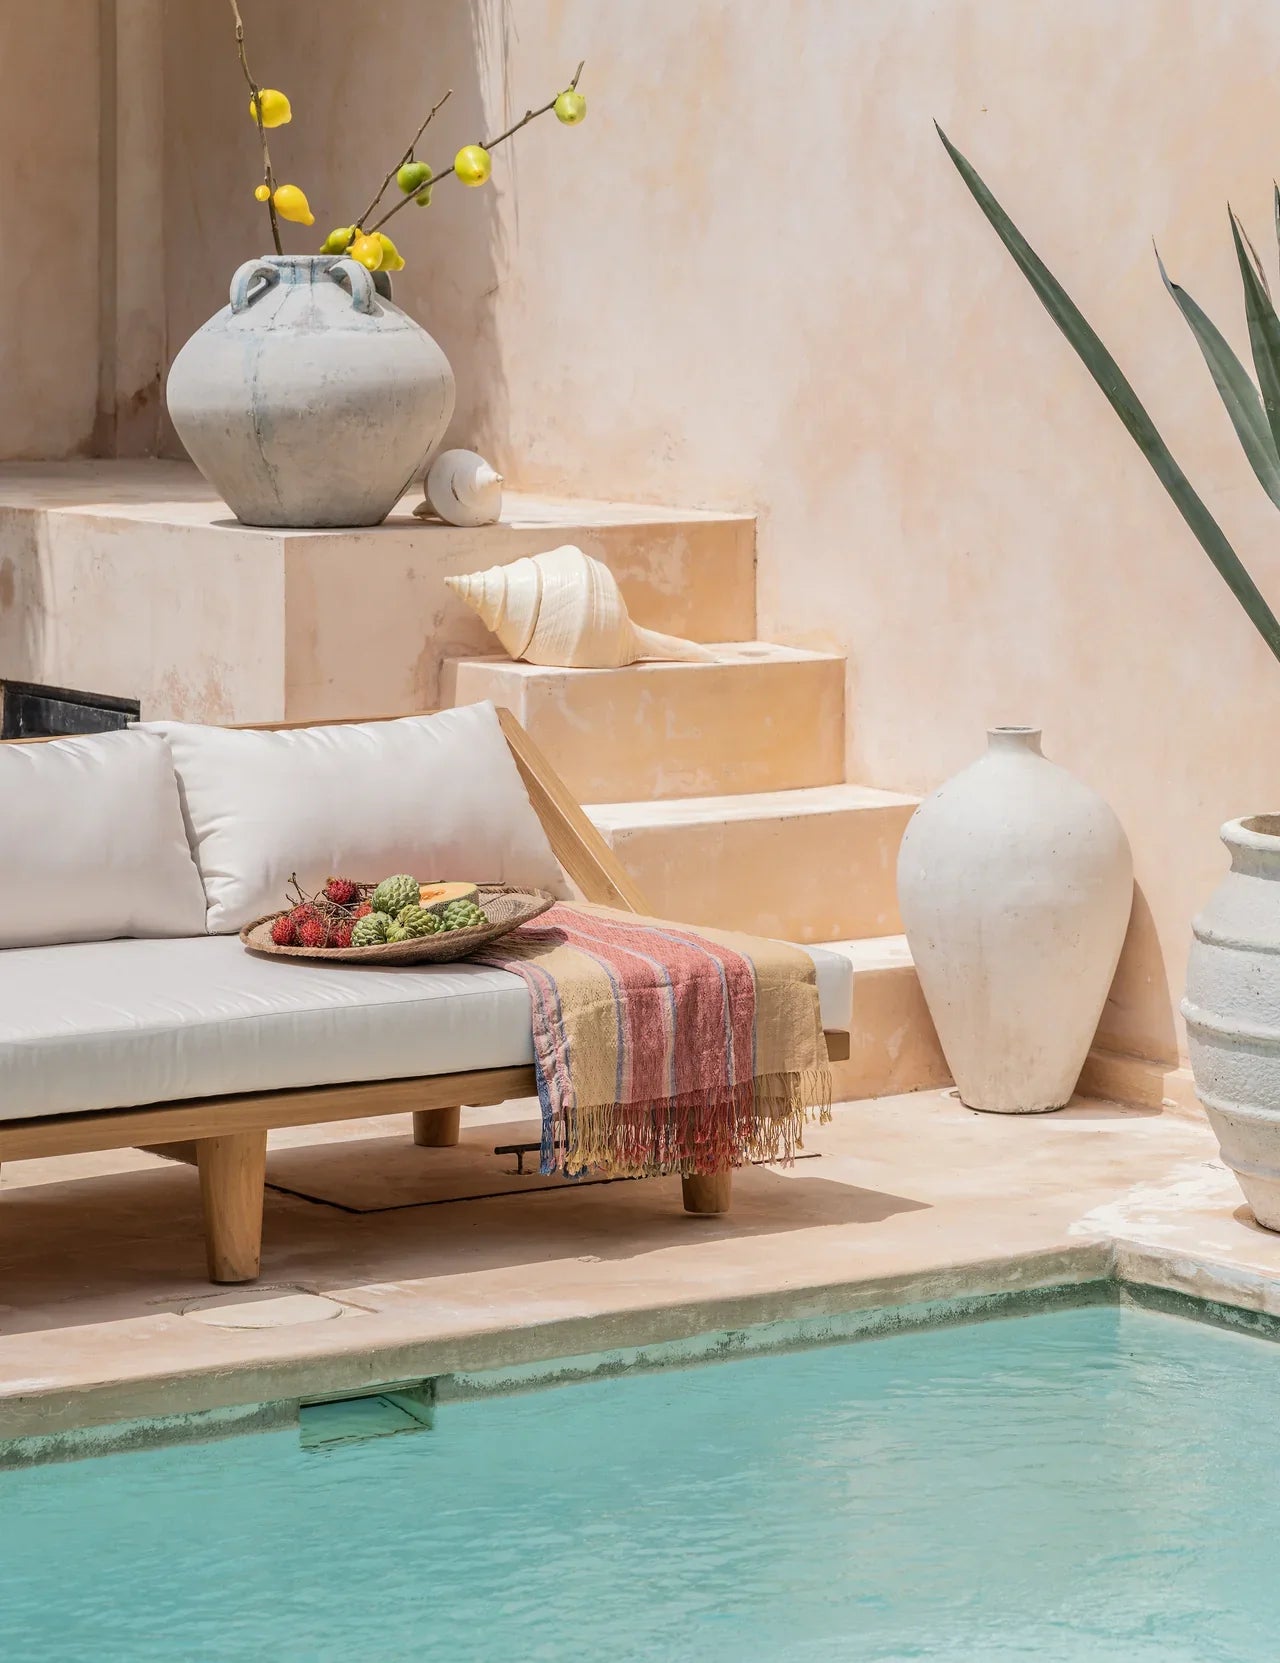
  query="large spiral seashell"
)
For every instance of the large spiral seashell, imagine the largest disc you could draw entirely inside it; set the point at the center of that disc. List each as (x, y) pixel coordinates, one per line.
(462, 489)
(565, 609)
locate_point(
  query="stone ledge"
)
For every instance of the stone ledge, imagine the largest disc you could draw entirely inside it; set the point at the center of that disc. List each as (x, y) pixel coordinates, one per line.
(131, 578)
(761, 718)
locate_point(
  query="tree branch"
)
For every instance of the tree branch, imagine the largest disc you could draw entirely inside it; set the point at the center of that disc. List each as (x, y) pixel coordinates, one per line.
(408, 156)
(489, 144)
(269, 178)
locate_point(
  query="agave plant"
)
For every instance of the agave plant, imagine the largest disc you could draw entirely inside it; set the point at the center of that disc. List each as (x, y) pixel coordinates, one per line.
(1254, 414)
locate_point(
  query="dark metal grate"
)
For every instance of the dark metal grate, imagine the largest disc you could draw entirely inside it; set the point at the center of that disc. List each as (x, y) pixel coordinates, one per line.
(30, 711)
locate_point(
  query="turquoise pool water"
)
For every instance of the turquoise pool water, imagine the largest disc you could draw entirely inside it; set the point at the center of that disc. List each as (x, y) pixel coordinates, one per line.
(1077, 1487)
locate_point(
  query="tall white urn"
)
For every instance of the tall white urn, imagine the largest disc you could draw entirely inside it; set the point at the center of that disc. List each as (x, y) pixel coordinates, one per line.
(1015, 883)
(312, 399)
(1232, 1011)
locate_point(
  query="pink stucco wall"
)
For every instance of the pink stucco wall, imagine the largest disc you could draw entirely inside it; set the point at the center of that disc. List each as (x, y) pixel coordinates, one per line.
(49, 189)
(752, 279)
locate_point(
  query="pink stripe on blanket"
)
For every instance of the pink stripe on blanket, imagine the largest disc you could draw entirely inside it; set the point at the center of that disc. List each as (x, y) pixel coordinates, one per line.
(684, 1030)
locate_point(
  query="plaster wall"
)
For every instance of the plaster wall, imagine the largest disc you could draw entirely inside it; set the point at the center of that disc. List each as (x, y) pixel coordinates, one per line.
(752, 280)
(49, 193)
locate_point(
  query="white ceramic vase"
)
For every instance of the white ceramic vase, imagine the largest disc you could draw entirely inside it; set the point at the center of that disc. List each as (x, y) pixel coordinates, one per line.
(1015, 883)
(1232, 1011)
(311, 400)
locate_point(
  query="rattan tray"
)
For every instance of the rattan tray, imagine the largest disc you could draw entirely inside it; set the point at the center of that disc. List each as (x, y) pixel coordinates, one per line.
(507, 908)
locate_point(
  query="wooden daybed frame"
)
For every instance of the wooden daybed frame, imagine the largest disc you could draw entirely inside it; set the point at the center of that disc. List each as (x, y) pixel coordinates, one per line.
(227, 1136)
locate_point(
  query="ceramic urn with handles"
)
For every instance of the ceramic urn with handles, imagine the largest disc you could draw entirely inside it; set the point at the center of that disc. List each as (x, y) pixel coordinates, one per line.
(311, 399)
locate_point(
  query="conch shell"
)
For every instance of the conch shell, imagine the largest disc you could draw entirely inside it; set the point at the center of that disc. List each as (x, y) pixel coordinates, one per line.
(565, 609)
(462, 489)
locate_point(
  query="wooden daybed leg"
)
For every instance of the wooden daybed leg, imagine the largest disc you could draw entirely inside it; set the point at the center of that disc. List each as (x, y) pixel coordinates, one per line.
(710, 1192)
(437, 1128)
(233, 1175)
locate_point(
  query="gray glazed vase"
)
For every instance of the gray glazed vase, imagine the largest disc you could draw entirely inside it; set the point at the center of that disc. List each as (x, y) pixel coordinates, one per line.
(311, 400)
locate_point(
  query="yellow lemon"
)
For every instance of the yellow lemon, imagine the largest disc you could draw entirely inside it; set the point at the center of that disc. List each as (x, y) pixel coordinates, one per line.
(291, 203)
(571, 107)
(262, 192)
(368, 250)
(392, 260)
(473, 164)
(275, 108)
(337, 240)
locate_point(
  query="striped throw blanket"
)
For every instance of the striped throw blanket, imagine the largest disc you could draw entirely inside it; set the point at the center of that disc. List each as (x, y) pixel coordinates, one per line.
(661, 1049)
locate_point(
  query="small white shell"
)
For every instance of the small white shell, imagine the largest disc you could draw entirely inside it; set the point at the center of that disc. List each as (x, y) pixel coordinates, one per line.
(462, 489)
(565, 609)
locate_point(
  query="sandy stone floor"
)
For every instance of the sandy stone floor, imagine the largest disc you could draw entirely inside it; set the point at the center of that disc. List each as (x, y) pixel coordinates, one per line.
(387, 1262)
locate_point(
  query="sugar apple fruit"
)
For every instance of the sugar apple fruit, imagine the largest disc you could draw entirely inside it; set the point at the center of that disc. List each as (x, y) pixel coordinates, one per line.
(463, 915)
(417, 921)
(370, 931)
(394, 894)
(396, 932)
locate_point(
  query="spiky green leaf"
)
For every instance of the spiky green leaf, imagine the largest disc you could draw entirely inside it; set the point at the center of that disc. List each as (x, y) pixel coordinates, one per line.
(1264, 332)
(1124, 401)
(1235, 388)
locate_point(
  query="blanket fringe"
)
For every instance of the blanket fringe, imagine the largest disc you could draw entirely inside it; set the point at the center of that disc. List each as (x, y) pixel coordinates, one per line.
(692, 1134)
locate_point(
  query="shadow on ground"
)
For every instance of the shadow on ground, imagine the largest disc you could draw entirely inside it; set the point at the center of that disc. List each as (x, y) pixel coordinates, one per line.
(342, 1216)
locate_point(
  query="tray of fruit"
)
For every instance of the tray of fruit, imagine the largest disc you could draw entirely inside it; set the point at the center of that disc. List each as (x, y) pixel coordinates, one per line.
(397, 921)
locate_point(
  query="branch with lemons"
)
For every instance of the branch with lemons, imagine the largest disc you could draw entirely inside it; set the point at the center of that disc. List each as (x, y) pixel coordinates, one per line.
(361, 240)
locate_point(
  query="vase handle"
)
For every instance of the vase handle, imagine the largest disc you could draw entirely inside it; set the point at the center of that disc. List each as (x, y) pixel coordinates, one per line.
(245, 275)
(364, 296)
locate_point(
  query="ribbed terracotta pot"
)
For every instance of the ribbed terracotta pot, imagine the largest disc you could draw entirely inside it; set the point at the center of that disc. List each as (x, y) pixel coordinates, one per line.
(1232, 1011)
(1015, 883)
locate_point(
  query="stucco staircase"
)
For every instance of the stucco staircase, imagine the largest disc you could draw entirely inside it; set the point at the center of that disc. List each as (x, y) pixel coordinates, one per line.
(721, 788)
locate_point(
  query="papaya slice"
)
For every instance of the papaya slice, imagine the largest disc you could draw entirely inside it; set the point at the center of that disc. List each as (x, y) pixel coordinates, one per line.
(435, 897)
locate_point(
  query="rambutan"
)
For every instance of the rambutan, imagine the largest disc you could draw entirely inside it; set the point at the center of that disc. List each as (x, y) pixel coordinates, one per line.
(303, 913)
(362, 911)
(313, 932)
(341, 891)
(283, 932)
(340, 935)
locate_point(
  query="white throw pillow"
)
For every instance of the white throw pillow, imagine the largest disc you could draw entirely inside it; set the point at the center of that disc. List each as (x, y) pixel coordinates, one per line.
(92, 843)
(438, 796)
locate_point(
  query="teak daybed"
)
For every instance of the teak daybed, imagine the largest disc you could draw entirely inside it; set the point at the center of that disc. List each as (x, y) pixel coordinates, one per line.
(58, 1048)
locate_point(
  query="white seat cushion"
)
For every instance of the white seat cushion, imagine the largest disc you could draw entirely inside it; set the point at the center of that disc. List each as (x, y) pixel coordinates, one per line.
(435, 796)
(115, 1024)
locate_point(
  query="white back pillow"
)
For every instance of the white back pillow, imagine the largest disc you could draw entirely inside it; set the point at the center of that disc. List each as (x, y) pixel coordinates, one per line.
(437, 796)
(92, 843)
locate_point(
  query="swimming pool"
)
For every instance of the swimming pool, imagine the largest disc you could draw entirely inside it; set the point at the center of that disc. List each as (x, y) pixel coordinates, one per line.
(1079, 1486)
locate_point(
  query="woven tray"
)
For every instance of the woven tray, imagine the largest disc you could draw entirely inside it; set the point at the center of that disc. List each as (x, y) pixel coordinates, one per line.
(507, 908)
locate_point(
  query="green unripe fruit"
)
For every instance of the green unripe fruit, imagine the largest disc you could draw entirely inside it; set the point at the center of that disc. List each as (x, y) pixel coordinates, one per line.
(396, 933)
(370, 931)
(417, 921)
(571, 107)
(463, 915)
(412, 177)
(394, 894)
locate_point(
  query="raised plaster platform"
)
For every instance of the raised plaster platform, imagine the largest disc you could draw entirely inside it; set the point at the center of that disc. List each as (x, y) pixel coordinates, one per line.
(133, 579)
(760, 718)
(805, 865)
(904, 1200)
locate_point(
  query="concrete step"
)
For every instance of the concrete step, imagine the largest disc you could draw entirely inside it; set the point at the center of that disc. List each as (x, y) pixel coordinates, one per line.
(162, 596)
(805, 865)
(893, 1046)
(761, 718)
